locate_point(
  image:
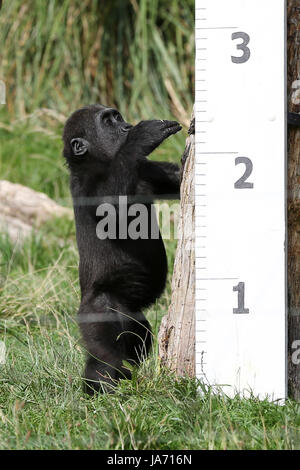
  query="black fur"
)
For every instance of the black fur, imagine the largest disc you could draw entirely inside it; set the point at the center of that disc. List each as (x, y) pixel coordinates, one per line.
(118, 278)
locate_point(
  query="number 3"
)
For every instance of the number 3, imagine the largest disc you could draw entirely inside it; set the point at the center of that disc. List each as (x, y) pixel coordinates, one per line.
(243, 47)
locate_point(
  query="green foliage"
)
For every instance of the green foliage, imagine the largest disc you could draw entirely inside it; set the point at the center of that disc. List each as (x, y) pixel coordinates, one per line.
(35, 160)
(137, 55)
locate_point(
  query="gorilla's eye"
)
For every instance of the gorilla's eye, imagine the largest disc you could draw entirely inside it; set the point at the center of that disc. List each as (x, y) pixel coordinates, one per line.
(107, 120)
(118, 117)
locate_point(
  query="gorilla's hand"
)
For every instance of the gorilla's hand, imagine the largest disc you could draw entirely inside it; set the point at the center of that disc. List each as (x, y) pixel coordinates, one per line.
(146, 136)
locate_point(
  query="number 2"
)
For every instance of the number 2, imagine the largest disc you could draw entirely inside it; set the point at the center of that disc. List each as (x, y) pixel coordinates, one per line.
(243, 47)
(242, 182)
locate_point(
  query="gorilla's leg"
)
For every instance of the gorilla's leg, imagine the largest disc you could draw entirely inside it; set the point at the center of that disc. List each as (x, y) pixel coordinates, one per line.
(111, 335)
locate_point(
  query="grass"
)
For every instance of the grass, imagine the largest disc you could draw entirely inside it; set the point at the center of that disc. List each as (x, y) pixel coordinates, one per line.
(134, 54)
(42, 406)
(41, 401)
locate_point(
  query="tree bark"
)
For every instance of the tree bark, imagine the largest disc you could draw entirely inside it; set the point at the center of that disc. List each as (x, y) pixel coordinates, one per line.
(293, 103)
(177, 332)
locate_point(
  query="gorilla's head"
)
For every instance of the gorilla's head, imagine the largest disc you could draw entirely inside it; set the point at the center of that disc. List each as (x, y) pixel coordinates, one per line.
(93, 134)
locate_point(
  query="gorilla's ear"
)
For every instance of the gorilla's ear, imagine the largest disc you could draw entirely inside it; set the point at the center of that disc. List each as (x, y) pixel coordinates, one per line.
(79, 146)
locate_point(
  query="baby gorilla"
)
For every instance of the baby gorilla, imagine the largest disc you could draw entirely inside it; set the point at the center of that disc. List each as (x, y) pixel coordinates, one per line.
(119, 275)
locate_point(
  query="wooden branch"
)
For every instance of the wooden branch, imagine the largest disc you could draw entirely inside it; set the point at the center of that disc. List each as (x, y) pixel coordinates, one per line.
(293, 195)
(177, 332)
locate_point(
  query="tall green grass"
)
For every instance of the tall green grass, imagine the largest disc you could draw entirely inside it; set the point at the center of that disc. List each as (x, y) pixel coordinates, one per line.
(135, 54)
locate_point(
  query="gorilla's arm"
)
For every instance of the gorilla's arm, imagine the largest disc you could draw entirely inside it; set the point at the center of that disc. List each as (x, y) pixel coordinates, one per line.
(162, 178)
(146, 136)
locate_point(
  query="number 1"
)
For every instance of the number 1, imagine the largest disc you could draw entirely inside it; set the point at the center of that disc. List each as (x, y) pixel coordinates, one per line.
(240, 288)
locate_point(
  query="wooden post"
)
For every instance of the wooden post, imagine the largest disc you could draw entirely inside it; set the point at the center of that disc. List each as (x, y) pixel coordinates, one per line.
(293, 103)
(177, 332)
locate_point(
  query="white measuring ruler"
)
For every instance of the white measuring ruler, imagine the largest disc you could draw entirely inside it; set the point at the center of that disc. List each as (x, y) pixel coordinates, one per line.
(240, 179)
